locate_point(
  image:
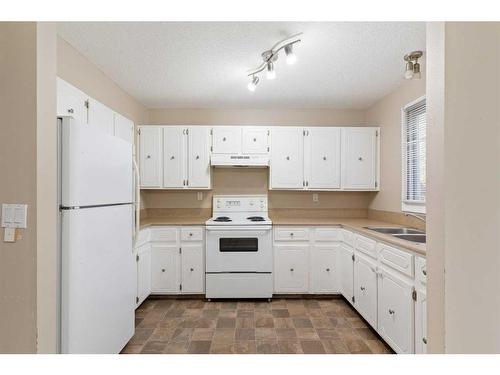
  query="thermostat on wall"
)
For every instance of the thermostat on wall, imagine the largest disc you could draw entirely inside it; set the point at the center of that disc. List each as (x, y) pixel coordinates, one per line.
(14, 215)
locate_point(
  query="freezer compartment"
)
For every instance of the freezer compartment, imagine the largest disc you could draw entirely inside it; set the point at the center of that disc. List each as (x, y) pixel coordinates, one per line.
(239, 285)
(98, 286)
(96, 168)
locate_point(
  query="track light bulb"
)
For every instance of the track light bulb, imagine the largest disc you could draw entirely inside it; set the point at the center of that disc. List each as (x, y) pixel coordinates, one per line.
(253, 84)
(291, 58)
(271, 73)
(409, 70)
(416, 71)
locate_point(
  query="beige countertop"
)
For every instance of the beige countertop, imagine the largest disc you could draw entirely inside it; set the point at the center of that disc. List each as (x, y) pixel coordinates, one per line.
(355, 224)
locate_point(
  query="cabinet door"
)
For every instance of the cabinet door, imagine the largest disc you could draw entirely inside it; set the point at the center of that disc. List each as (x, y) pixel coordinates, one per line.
(226, 140)
(359, 158)
(323, 270)
(124, 128)
(143, 273)
(345, 271)
(198, 158)
(287, 167)
(255, 140)
(421, 323)
(174, 157)
(395, 312)
(365, 289)
(71, 101)
(165, 267)
(291, 269)
(150, 162)
(192, 269)
(322, 158)
(101, 117)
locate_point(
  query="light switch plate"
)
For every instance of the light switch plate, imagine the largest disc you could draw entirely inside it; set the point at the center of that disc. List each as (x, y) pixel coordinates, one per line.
(14, 215)
(315, 198)
(200, 195)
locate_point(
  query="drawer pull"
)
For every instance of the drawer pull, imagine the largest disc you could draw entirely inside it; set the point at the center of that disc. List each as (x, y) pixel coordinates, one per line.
(71, 110)
(424, 340)
(363, 288)
(172, 157)
(148, 157)
(291, 234)
(190, 234)
(191, 269)
(291, 269)
(328, 270)
(360, 158)
(224, 139)
(163, 270)
(391, 312)
(424, 272)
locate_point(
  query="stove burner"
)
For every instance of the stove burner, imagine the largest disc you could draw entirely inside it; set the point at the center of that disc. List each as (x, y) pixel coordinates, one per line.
(256, 218)
(222, 218)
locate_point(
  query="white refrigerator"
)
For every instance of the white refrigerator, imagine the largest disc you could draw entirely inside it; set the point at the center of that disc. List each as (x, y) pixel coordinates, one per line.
(97, 283)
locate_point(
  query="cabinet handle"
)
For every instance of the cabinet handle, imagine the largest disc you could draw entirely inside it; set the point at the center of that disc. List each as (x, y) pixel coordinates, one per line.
(424, 340)
(307, 183)
(362, 288)
(224, 139)
(291, 234)
(328, 270)
(172, 157)
(190, 234)
(360, 158)
(191, 269)
(197, 157)
(163, 270)
(255, 139)
(391, 312)
(148, 157)
(288, 158)
(71, 110)
(424, 272)
(324, 157)
(291, 269)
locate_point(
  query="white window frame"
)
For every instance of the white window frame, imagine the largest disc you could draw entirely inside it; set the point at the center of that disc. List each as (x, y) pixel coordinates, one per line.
(408, 206)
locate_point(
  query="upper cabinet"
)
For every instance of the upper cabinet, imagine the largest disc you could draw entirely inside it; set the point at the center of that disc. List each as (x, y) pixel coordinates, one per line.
(150, 156)
(240, 140)
(287, 158)
(86, 110)
(71, 101)
(360, 164)
(322, 158)
(255, 140)
(175, 157)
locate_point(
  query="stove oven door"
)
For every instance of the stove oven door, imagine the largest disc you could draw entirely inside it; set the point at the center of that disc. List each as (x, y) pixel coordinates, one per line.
(238, 249)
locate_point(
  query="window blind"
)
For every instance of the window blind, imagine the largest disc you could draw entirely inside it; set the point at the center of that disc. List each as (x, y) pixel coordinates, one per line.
(414, 149)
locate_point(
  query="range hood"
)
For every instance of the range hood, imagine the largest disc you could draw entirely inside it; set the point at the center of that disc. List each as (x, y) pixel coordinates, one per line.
(239, 161)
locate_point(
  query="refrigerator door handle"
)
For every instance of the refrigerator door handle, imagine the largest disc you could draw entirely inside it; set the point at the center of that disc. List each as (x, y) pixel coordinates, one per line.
(137, 200)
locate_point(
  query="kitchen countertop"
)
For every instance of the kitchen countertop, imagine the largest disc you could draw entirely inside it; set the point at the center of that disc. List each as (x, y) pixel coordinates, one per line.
(173, 220)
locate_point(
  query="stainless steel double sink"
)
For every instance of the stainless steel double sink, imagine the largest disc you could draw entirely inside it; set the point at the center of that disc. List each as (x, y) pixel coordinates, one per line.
(408, 234)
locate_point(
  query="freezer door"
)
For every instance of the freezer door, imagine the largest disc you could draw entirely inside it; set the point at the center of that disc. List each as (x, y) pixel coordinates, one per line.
(96, 168)
(98, 286)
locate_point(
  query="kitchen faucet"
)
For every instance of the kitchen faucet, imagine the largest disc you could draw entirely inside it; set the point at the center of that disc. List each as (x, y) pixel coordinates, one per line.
(420, 217)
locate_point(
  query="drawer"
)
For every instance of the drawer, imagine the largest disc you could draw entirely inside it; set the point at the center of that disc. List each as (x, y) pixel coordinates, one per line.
(192, 233)
(347, 237)
(365, 245)
(327, 234)
(421, 270)
(396, 259)
(291, 234)
(165, 234)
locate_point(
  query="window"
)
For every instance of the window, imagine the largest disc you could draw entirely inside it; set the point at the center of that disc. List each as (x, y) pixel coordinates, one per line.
(414, 125)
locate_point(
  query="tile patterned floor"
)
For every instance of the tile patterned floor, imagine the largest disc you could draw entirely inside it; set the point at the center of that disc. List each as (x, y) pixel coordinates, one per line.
(287, 326)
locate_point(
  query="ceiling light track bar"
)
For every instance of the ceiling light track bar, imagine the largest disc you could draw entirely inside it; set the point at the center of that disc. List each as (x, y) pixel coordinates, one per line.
(272, 54)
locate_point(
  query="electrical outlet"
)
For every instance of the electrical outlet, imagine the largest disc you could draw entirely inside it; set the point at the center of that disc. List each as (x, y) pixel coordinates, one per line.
(200, 196)
(315, 198)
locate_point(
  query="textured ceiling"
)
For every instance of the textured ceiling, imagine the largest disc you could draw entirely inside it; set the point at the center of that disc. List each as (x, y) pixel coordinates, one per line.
(203, 64)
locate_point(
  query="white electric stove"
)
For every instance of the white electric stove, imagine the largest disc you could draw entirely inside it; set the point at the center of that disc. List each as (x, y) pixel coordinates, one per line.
(239, 256)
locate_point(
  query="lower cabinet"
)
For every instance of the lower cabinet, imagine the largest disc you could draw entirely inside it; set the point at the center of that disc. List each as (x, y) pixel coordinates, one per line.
(143, 260)
(345, 269)
(192, 269)
(165, 269)
(291, 269)
(365, 288)
(395, 311)
(421, 323)
(323, 270)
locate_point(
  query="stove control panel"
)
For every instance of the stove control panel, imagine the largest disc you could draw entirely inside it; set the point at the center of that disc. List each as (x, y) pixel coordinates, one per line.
(240, 203)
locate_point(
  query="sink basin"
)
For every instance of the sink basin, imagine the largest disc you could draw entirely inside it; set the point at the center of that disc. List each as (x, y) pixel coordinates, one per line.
(419, 238)
(389, 230)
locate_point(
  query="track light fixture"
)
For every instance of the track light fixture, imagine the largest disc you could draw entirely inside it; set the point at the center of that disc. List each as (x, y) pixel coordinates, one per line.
(269, 58)
(412, 69)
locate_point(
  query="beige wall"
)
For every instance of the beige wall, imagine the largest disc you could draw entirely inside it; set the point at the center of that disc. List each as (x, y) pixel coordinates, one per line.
(255, 181)
(74, 68)
(18, 151)
(464, 213)
(386, 113)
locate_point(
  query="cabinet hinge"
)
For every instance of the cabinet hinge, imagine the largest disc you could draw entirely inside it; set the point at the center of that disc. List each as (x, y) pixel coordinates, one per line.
(211, 148)
(304, 133)
(414, 295)
(353, 299)
(137, 258)
(180, 286)
(267, 148)
(187, 131)
(376, 133)
(139, 131)
(352, 257)
(180, 250)
(376, 184)
(136, 299)
(187, 182)
(86, 104)
(211, 131)
(268, 132)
